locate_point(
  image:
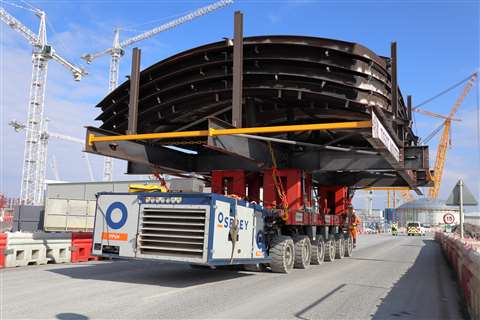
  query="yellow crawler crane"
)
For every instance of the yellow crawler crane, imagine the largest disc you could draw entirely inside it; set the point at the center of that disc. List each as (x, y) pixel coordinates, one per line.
(442, 146)
(445, 140)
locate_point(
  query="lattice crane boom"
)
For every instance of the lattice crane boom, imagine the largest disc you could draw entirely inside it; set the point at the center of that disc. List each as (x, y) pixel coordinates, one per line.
(151, 33)
(434, 115)
(172, 24)
(16, 25)
(444, 141)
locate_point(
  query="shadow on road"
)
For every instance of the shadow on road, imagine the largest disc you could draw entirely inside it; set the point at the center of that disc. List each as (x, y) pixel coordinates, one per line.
(426, 291)
(148, 272)
(299, 315)
(379, 260)
(71, 316)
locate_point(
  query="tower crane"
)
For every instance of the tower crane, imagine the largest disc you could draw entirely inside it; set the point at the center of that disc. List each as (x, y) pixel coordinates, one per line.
(46, 135)
(444, 140)
(34, 166)
(118, 50)
(54, 168)
(442, 145)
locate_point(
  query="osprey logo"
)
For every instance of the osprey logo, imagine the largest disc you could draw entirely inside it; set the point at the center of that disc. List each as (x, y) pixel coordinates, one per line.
(226, 222)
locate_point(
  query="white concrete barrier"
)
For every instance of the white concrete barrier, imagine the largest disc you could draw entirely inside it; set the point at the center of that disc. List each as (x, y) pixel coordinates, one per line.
(24, 248)
(464, 257)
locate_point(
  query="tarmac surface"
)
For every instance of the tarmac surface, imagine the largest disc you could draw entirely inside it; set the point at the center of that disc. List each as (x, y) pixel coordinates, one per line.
(387, 278)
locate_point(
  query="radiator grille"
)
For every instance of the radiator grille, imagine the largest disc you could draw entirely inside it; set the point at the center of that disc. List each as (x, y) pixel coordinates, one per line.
(172, 232)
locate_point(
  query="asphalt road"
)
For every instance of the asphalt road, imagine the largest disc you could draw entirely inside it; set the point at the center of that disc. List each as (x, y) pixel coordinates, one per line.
(387, 278)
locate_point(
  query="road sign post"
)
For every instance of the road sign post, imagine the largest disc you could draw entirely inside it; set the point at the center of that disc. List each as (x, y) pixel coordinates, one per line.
(461, 196)
(461, 207)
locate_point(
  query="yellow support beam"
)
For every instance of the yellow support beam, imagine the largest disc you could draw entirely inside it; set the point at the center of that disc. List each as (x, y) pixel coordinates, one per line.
(219, 132)
(388, 188)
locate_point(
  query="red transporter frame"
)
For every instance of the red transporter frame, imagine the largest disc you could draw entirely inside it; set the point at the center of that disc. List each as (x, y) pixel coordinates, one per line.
(241, 183)
(297, 185)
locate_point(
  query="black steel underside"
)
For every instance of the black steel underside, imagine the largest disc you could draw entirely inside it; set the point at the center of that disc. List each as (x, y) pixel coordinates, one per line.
(286, 80)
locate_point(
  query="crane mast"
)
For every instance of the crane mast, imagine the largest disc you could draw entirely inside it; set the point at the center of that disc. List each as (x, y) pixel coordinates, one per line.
(35, 152)
(444, 141)
(118, 49)
(116, 54)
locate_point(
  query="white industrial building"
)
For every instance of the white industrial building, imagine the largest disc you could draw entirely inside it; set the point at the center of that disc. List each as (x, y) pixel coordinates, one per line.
(426, 211)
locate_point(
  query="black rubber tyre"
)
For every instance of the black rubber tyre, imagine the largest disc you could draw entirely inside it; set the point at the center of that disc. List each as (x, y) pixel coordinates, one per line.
(339, 247)
(330, 249)
(318, 251)
(282, 252)
(303, 252)
(348, 246)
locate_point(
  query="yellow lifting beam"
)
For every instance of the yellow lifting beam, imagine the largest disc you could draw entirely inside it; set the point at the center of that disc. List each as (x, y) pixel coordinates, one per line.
(219, 132)
(388, 188)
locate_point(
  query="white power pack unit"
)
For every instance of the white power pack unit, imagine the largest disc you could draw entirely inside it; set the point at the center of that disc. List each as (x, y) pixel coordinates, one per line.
(196, 228)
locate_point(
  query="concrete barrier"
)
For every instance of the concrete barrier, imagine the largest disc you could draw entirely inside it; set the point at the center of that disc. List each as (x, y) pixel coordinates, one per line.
(464, 257)
(3, 245)
(25, 248)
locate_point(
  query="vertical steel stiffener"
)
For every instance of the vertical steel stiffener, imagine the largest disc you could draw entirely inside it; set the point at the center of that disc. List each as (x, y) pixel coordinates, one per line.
(134, 92)
(237, 92)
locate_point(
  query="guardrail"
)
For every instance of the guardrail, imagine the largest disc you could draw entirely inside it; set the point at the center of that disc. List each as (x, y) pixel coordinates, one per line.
(473, 231)
(464, 257)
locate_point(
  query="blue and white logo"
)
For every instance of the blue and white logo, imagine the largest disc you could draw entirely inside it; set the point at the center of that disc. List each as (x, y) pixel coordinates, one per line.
(123, 218)
(227, 222)
(260, 238)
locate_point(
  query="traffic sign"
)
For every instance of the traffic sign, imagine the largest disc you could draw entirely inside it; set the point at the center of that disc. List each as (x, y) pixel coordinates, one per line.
(468, 198)
(448, 218)
(461, 196)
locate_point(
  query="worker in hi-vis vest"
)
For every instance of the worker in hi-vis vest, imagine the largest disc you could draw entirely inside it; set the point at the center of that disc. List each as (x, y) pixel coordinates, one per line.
(354, 222)
(394, 229)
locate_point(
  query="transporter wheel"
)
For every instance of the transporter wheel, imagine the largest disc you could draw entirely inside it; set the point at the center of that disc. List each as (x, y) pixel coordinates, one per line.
(330, 249)
(348, 245)
(318, 251)
(282, 252)
(339, 247)
(303, 252)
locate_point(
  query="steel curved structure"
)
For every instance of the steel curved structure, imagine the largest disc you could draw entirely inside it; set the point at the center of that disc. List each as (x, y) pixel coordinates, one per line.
(287, 80)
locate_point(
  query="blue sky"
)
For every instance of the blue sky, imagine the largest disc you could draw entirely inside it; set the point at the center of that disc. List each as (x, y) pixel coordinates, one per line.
(438, 45)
